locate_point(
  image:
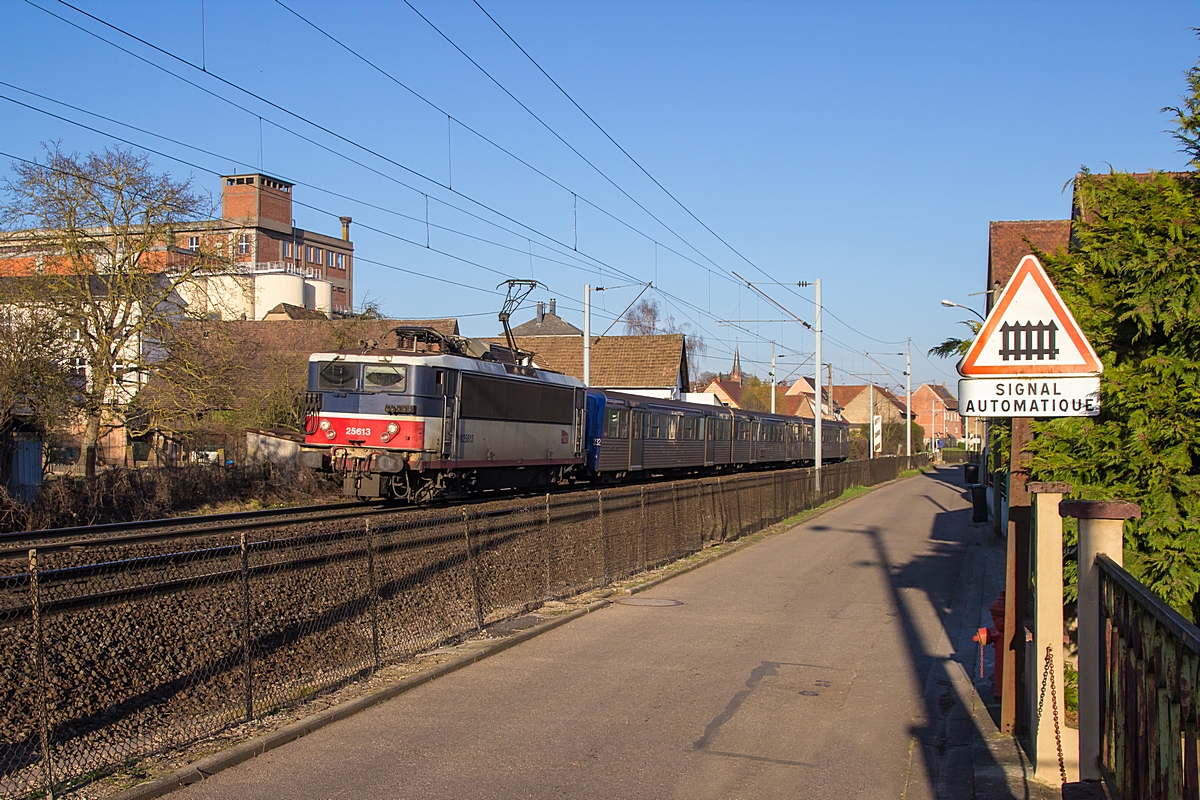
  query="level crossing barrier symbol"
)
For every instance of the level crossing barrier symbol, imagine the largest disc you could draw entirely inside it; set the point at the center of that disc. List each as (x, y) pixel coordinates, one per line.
(1017, 341)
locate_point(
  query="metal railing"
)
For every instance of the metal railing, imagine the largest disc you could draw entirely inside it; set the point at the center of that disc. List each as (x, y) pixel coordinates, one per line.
(114, 651)
(1150, 668)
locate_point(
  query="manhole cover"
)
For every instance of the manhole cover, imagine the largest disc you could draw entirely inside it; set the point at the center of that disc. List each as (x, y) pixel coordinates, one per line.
(647, 601)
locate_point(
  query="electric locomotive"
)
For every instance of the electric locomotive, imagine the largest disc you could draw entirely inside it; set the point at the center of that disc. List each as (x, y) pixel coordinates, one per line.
(439, 416)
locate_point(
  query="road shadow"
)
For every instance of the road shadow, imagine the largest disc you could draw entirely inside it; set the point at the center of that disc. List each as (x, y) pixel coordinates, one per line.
(956, 723)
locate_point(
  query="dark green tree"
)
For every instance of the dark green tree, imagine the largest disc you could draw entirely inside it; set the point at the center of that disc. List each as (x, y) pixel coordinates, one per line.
(1132, 280)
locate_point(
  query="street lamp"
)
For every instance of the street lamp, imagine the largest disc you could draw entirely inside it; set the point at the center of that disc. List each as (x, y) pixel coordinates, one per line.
(952, 304)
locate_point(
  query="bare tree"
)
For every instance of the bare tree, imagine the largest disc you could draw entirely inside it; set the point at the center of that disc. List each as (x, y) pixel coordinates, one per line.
(95, 236)
(646, 318)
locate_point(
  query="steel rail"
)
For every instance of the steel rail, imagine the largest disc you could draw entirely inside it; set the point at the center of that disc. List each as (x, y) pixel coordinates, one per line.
(13, 615)
(171, 522)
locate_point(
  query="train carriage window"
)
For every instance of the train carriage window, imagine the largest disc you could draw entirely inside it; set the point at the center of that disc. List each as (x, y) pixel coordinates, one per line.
(337, 376)
(638, 422)
(616, 424)
(384, 378)
(657, 425)
(674, 427)
(645, 424)
(612, 423)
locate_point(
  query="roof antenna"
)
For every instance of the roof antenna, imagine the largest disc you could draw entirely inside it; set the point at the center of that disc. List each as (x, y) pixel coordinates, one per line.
(517, 291)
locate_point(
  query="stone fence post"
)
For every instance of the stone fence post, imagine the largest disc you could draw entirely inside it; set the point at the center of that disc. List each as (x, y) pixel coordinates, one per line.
(1047, 625)
(1101, 531)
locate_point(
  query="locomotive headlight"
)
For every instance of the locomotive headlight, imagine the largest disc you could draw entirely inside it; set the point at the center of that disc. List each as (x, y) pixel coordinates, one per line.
(324, 425)
(385, 436)
(330, 434)
(392, 428)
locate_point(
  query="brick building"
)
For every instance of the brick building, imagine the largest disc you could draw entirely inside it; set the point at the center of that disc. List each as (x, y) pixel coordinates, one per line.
(935, 409)
(1009, 242)
(269, 260)
(276, 262)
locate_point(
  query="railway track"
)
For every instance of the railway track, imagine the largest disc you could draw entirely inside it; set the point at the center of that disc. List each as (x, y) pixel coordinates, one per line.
(145, 531)
(57, 539)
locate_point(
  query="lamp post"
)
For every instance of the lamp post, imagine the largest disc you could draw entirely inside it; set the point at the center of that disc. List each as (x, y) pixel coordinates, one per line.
(952, 304)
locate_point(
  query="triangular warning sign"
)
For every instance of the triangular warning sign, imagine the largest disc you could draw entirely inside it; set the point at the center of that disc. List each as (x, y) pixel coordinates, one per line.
(1030, 332)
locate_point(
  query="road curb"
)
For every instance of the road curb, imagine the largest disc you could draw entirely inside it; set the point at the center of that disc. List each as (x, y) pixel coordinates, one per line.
(207, 767)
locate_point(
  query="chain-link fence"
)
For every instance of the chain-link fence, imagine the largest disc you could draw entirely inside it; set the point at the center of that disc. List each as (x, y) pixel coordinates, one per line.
(111, 652)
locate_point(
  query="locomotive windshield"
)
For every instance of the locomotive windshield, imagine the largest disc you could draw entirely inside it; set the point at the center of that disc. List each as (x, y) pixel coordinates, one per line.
(337, 376)
(384, 378)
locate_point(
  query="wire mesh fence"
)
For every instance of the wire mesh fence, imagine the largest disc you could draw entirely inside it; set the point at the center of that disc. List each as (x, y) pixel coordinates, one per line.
(113, 652)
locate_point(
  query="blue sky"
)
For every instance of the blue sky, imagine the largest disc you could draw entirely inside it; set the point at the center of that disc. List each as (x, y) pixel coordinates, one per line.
(868, 144)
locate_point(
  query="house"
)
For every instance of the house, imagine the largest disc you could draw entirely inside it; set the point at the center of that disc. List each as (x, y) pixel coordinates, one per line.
(857, 402)
(546, 322)
(935, 409)
(797, 400)
(654, 366)
(1009, 242)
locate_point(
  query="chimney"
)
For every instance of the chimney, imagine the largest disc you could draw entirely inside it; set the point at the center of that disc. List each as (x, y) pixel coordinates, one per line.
(541, 312)
(553, 301)
(346, 228)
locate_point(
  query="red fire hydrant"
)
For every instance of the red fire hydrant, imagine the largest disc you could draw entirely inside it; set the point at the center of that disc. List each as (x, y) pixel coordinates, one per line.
(994, 635)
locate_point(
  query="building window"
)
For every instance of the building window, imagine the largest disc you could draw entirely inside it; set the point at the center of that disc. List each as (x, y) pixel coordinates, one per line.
(329, 258)
(243, 243)
(341, 261)
(194, 244)
(77, 370)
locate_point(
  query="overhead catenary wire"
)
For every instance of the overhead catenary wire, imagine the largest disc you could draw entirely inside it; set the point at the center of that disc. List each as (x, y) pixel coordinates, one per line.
(296, 202)
(575, 195)
(567, 249)
(303, 119)
(614, 141)
(560, 138)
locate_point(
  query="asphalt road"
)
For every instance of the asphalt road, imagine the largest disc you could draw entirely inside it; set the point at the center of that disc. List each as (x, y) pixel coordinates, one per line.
(811, 665)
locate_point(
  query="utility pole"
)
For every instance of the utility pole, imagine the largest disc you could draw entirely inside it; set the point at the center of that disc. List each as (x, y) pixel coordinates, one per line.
(829, 370)
(932, 427)
(772, 376)
(908, 402)
(587, 334)
(871, 417)
(818, 418)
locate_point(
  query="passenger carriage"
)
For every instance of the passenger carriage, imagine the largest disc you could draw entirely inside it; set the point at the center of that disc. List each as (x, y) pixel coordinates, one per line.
(440, 416)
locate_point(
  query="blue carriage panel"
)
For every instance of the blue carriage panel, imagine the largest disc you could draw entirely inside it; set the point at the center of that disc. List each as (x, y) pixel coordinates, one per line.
(594, 428)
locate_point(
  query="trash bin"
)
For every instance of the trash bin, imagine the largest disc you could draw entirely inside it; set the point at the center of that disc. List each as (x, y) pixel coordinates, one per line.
(979, 503)
(971, 473)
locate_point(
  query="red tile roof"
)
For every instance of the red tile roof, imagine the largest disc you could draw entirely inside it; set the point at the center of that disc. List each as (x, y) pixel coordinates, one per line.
(628, 362)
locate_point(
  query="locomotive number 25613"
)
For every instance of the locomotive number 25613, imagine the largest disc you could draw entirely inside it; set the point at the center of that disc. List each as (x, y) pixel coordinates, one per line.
(358, 431)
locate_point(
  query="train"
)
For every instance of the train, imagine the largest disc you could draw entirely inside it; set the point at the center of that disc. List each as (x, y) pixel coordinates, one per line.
(436, 416)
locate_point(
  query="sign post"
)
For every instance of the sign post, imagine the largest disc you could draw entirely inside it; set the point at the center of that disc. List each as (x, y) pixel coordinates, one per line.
(1029, 360)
